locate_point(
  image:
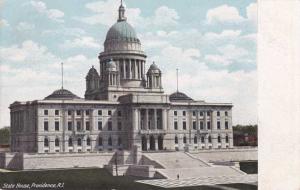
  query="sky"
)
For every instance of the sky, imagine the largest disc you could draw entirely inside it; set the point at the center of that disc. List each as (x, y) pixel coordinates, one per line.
(212, 43)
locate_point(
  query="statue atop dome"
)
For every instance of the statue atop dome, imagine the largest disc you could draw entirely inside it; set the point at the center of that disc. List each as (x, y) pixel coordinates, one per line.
(121, 13)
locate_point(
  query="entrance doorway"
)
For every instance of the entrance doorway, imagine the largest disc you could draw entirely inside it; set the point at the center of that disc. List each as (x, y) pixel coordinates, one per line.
(152, 143)
(144, 143)
(160, 143)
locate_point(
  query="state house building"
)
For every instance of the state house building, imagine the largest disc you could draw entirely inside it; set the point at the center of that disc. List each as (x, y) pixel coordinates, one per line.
(124, 107)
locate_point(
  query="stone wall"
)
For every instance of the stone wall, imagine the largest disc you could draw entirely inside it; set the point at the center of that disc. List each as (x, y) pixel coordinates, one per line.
(226, 155)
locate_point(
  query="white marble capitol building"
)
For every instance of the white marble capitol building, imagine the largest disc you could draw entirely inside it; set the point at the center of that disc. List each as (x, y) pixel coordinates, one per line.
(124, 107)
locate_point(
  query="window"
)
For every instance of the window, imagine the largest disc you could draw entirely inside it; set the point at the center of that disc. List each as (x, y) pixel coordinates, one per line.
(209, 139)
(56, 142)
(119, 141)
(226, 125)
(119, 113)
(109, 112)
(183, 113)
(109, 141)
(208, 113)
(99, 112)
(219, 125)
(109, 124)
(201, 113)
(79, 142)
(201, 125)
(46, 142)
(46, 126)
(88, 142)
(175, 125)
(184, 139)
(227, 139)
(78, 112)
(70, 142)
(194, 125)
(119, 126)
(226, 113)
(176, 140)
(202, 140)
(218, 113)
(208, 125)
(100, 141)
(87, 125)
(69, 125)
(219, 139)
(195, 140)
(175, 113)
(56, 112)
(78, 125)
(56, 125)
(45, 112)
(87, 112)
(194, 113)
(184, 125)
(69, 112)
(99, 125)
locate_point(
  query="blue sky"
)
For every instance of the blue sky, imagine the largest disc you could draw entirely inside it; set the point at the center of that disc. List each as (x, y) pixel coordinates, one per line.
(212, 43)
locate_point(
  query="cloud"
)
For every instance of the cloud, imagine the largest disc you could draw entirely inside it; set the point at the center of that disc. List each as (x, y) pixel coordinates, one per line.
(225, 34)
(3, 23)
(223, 13)
(106, 13)
(77, 32)
(22, 26)
(81, 42)
(165, 16)
(252, 12)
(53, 14)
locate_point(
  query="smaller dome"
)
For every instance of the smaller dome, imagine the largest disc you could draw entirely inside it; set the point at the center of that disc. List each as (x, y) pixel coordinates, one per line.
(92, 73)
(153, 66)
(179, 96)
(111, 66)
(62, 94)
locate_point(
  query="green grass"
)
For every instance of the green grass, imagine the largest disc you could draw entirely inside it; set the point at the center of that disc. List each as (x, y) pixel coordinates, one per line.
(90, 179)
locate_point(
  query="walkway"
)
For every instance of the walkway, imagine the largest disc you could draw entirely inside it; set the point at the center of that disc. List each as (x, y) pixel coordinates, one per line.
(173, 183)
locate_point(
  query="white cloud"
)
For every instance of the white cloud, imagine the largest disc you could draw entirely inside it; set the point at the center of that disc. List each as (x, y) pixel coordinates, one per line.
(252, 12)
(179, 55)
(165, 16)
(53, 14)
(77, 32)
(225, 34)
(25, 26)
(223, 13)
(3, 23)
(106, 13)
(81, 42)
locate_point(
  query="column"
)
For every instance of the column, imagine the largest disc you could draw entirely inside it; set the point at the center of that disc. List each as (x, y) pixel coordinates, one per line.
(135, 69)
(156, 142)
(138, 69)
(230, 136)
(146, 119)
(164, 119)
(130, 69)
(141, 69)
(124, 69)
(197, 120)
(155, 118)
(135, 119)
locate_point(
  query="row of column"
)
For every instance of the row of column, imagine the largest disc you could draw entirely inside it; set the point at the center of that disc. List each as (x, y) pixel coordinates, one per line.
(149, 119)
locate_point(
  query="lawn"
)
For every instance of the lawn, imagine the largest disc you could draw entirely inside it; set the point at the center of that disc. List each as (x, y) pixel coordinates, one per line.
(92, 178)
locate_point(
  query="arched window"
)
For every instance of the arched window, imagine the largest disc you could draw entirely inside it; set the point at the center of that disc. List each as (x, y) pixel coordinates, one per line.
(202, 140)
(119, 141)
(209, 139)
(100, 141)
(46, 142)
(79, 142)
(219, 139)
(184, 139)
(227, 139)
(176, 140)
(88, 141)
(195, 139)
(109, 141)
(70, 142)
(56, 142)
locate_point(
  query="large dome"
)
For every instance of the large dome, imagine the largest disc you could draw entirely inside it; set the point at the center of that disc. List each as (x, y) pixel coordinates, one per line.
(121, 31)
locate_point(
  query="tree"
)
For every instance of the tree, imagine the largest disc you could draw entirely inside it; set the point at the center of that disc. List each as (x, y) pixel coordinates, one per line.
(5, 135)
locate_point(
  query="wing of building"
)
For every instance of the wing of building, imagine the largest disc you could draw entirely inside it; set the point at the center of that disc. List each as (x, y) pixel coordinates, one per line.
(124, 107)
